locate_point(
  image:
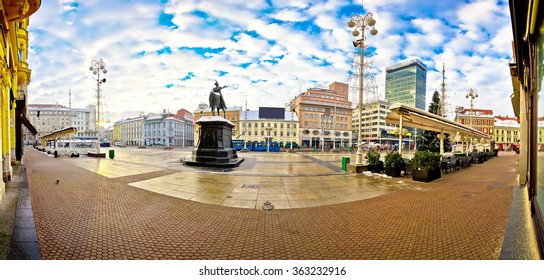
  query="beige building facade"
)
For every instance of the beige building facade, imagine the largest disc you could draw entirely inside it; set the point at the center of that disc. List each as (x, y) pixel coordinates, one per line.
(324, 116)
(256, 127)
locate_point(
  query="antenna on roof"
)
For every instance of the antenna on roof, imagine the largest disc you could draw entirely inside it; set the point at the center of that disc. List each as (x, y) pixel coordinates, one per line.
(443, 107)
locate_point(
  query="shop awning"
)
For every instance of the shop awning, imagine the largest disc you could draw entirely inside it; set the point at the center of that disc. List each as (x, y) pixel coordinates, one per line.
(64, 131)
(417, 118)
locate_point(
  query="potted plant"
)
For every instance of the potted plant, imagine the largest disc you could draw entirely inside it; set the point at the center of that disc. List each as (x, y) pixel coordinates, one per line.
(408, 166)
(495, 152)
(426, 166)
(482, 157)
(373, 162)
(394, 164)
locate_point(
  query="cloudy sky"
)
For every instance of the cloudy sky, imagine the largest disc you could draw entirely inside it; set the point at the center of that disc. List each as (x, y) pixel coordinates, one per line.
(165, 54)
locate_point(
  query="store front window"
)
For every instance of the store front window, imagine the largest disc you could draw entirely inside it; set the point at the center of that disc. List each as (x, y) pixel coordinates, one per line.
(539, 149)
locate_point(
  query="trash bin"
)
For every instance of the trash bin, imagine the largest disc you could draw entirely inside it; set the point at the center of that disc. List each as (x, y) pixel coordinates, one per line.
(351, 149)
(112, 154)
(345, 161)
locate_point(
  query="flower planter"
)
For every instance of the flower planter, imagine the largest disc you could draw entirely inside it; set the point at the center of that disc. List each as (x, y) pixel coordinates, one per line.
(425, 176)
(393, 171)
(408, 169)
(374, 168)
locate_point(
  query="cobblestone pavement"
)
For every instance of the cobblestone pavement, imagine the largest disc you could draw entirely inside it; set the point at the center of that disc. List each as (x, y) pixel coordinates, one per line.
(90, 216)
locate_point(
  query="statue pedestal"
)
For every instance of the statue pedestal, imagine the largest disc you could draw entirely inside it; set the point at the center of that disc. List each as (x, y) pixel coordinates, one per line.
(215, 146)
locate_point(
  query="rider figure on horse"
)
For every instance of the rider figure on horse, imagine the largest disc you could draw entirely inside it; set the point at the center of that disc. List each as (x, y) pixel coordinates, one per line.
(216, 99)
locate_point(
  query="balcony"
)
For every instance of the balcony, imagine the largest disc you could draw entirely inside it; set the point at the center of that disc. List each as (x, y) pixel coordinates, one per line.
(22, 38)
(22, 34)
(23, 73)
(20, 9)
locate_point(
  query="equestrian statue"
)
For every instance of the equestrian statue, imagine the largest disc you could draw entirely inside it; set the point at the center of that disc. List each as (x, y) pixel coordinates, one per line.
(216, 99)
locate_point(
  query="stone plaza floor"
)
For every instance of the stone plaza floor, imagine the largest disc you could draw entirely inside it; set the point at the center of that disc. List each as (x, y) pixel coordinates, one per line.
(286, 180)
(144, 204)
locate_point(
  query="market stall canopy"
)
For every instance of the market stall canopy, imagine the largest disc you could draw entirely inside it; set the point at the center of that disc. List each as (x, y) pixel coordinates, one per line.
(54, 134)
(418, 118)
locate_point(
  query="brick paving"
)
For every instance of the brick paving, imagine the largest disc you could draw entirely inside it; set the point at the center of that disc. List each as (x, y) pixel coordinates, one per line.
(88, 216)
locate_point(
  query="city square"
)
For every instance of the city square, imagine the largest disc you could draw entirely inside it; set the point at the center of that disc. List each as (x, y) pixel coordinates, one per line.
(315, 136)
(134, 208)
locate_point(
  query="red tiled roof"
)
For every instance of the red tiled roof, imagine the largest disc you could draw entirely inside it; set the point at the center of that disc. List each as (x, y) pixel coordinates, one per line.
(506, 118)
(481, 111)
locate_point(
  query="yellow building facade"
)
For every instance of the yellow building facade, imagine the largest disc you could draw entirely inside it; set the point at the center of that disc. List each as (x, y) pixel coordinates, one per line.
(506, 133)
(258, 128)
(116, 137)
(15, 76)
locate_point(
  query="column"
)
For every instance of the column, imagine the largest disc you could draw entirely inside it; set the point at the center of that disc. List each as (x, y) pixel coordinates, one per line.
(465, 145)
(523, 138)
(441, 136)
(400, 134)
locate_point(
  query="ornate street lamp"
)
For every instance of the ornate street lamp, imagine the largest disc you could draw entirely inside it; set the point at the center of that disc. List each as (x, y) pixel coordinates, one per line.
(359, 24)
(325, 123)
(98, 66)
(472, 93)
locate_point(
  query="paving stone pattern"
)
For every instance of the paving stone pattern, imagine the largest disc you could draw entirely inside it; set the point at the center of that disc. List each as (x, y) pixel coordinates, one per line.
(89, 216)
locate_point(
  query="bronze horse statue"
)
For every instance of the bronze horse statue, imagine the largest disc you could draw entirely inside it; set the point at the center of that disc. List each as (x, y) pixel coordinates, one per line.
(216, 99)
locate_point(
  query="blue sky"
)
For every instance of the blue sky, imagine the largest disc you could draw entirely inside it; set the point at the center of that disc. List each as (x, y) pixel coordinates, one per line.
(165, 54)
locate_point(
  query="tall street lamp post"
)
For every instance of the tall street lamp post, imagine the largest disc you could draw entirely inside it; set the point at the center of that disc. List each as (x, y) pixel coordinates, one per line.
(472, 93)
(325, 121)
(98, 66)
(359, 24)
(268, 139)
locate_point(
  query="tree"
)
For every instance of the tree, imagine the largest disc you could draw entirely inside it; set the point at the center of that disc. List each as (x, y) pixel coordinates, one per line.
(429, 141)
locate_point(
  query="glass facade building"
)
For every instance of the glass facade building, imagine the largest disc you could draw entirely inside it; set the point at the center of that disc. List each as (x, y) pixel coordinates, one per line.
(406, 83)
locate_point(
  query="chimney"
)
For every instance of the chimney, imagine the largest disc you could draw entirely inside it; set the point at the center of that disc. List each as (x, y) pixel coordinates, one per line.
(164, 111)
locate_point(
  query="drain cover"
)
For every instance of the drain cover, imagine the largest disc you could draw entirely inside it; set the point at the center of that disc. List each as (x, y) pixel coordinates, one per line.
(244, 186)
(267, 206)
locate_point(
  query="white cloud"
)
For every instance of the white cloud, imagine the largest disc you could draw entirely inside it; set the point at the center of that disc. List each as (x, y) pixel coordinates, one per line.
(473, 39)
(289, 14)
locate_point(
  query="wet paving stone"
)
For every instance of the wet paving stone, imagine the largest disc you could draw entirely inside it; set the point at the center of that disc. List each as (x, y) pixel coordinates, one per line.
(90, 216)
